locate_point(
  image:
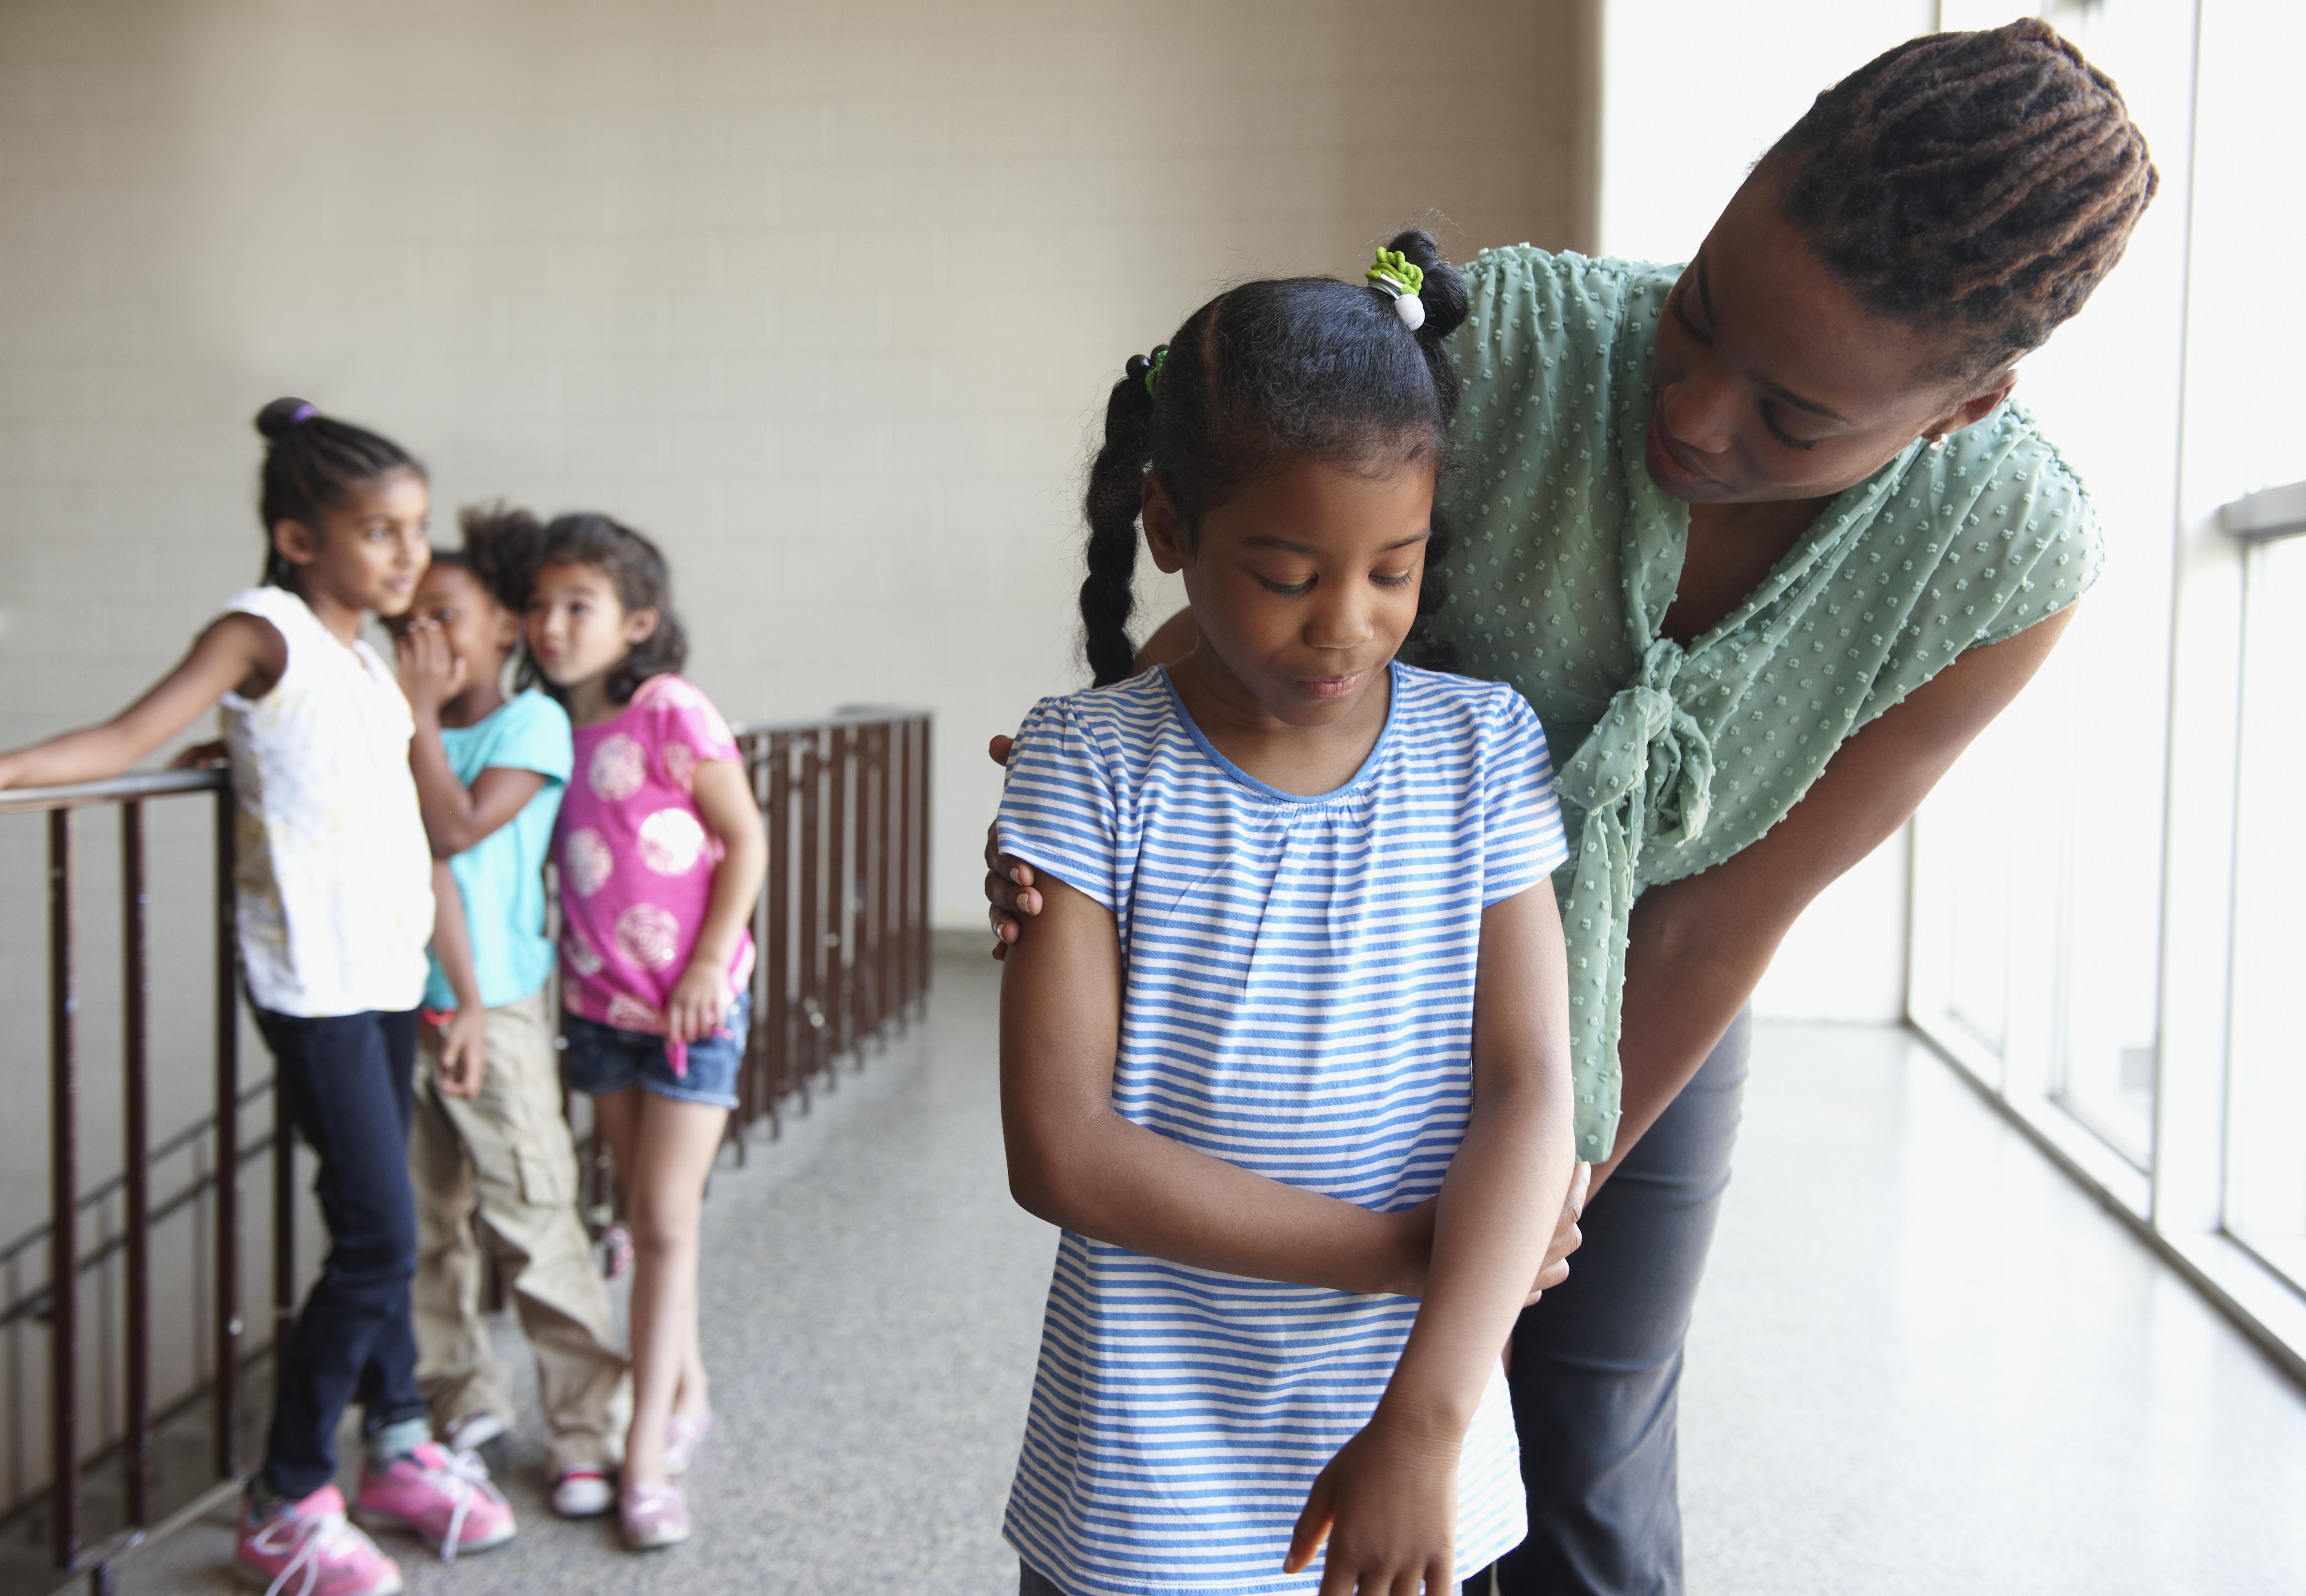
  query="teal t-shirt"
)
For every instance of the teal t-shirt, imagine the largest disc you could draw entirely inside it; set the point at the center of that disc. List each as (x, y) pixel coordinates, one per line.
(502, 877)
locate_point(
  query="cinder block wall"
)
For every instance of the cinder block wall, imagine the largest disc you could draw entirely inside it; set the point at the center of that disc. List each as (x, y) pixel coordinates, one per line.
(826, 297)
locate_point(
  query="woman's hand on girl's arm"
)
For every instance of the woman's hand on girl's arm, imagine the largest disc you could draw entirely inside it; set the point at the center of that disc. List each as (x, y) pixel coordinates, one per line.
(1076, 1163)
(464, 1040)
(1699, 946)
(1388, 1501)
(237, 653)
(725, 801)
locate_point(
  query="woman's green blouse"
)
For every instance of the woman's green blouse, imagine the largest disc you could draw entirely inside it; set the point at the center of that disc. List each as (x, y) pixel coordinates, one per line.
(1673, 759)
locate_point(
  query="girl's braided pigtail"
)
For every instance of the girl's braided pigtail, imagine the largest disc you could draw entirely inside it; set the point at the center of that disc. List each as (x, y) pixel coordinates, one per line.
(1117, 488)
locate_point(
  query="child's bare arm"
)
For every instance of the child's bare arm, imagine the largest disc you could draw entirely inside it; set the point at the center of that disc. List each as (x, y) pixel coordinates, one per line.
(1389, 1500)
(464, 1049)
(237, 653)
(1076, 1163)
(725, 801)
(455, 816)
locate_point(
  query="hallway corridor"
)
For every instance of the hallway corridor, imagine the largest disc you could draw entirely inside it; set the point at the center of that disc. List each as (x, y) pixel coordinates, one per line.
(1923, 1362)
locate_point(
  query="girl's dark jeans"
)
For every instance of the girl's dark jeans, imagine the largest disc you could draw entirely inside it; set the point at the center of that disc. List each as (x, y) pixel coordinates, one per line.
(347, 1081)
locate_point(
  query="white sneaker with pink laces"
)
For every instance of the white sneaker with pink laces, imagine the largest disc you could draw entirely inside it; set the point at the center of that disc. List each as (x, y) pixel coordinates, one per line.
(310, 1549)
(444, 1497)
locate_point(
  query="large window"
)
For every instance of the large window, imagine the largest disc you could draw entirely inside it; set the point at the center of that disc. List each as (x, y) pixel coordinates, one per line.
(2265, 1198)
(2108, 890)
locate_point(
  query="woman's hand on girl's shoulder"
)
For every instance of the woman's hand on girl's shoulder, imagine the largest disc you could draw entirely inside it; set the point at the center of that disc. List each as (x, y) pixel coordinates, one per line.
(1008, 881)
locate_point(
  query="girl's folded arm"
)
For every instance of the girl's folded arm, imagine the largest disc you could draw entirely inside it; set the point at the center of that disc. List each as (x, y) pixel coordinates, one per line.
(1076, 1163)
(237, 652)
(1389, 1497)
(1505, 1185)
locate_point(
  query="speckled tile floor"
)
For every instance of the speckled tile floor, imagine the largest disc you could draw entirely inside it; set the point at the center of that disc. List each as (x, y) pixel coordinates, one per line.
(1923, 1362)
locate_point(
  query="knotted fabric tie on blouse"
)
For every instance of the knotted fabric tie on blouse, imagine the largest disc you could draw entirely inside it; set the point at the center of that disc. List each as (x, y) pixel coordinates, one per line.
(1644, 779)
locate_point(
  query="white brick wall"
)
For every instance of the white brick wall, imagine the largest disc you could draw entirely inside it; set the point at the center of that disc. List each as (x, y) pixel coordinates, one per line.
(826, 298)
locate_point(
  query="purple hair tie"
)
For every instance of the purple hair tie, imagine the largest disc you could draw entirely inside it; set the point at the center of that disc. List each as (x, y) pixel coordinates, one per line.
(302, 412)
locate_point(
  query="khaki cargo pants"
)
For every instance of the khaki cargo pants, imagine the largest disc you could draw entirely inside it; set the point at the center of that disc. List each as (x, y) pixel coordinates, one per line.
(507, 1154)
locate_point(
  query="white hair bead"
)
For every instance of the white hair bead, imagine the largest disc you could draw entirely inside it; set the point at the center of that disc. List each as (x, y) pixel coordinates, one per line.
(1411, 309)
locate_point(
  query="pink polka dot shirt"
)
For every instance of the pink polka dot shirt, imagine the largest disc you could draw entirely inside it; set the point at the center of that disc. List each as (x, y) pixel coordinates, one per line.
(635, 860)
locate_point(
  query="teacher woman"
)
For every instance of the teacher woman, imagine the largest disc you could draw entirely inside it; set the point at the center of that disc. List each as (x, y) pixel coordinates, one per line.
(1765, 544)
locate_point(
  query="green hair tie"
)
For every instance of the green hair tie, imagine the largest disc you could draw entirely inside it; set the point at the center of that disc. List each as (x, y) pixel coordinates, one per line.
(1402, 280)
(1153, 367)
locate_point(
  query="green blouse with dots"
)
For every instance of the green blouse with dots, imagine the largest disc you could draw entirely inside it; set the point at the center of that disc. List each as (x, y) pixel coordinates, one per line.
(1672, 759)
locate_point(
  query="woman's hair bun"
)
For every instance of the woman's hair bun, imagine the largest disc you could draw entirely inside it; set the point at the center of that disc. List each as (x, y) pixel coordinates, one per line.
(1444, 293)
(274, 418)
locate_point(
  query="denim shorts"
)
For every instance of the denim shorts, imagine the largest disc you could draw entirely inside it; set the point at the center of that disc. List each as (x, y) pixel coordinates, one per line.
(607, 1058)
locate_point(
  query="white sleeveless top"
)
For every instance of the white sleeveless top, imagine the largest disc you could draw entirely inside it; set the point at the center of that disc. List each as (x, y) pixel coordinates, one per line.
(332, 875)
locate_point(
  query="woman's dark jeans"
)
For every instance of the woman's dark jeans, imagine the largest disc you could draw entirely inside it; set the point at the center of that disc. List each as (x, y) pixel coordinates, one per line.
(1596, 1367)
(348, 1082)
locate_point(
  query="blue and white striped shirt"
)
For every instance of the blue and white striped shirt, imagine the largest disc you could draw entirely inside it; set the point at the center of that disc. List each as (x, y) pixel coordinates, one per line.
(1298, 1000)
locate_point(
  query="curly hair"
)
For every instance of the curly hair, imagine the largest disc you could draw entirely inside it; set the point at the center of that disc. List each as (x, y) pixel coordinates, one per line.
(502, 549)
(1978, 184)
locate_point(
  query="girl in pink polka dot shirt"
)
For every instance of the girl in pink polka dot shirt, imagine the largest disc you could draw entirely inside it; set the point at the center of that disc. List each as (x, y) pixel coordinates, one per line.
(661, 854)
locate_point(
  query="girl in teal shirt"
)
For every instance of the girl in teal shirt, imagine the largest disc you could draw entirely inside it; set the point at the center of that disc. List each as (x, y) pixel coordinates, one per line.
(1762, 541)
(488, 1142)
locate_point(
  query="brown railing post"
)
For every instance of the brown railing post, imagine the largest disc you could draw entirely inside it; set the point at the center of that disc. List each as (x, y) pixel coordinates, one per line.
(921, 926)
(840, 897)
(136, 1130)
(776, 953)
(912, 866)
(228, 1150)
(64, 1182)
(812, 902)
(890, 917)
(865, 987)
(750, 1101)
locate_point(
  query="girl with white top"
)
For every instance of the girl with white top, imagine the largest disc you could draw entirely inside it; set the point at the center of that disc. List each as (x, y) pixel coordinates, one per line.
(1287, 1055)
(334, 898)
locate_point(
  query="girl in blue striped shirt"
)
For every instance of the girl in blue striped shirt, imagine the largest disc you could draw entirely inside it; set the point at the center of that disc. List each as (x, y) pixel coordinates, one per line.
(1285, 1052)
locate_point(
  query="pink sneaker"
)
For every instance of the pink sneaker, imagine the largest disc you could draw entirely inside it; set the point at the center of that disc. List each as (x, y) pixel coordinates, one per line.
(682, 1436)
(654, 1516)
(444, 1497)
(309, 1550)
